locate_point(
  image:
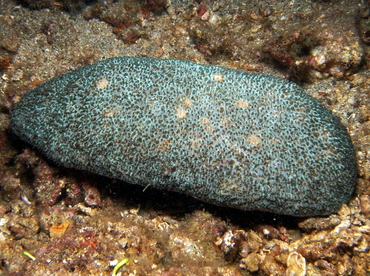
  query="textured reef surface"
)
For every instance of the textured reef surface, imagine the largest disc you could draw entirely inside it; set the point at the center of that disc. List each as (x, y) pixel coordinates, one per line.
(228, 137)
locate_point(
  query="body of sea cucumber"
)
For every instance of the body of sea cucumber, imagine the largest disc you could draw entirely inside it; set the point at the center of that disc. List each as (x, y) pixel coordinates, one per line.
(228, 137)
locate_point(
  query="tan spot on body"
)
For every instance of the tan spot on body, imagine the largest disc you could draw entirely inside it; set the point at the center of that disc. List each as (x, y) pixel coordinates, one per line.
(275, 141)
(109, 112)
(205, 121)
(164, 145)
(253, 139)
(102, 83)
(188, 103)
(230, 186)
(167, 170)
(329, 152)
(209, 128)
(276, 114)
(242, 104)
(325, 135)
(207, 124)
(181, 113)
(226, 122)
(218, 77)
(300, 117)
(195, 143)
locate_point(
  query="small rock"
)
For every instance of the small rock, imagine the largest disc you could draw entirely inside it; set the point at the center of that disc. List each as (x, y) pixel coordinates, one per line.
(296, 265)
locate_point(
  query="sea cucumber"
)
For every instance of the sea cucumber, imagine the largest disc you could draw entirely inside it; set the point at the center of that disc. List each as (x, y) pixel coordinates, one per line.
(232, 138)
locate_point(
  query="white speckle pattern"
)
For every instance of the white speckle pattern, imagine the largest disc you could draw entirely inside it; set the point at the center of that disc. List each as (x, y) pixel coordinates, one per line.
(228, 137)
(102, 83)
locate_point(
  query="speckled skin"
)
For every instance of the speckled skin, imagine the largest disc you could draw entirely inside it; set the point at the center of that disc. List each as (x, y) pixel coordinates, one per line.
(228, 137)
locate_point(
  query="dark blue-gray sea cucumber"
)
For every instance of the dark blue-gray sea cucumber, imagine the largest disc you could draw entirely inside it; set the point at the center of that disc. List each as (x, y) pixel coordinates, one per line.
(228, 137)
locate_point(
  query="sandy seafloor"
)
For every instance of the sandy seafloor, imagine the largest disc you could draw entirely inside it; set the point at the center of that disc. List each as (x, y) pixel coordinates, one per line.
(76, 223)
